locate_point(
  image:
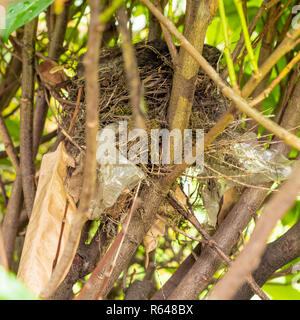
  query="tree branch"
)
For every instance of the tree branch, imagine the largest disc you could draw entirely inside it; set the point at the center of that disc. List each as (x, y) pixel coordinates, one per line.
(55, 49)
(132, 72)
(199, 276)
(26, 118)
(198, 17)
(11, 218)
(8, 145)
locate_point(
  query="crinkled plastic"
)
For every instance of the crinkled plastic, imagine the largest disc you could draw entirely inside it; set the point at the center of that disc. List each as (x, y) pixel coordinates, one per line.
(260, 166)
(271, 163)
(115, 173)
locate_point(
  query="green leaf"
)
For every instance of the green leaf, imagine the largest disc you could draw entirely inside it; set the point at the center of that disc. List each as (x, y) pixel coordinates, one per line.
(11, 288)
(21, 12)
(13, 126)
(282, 291)
(292, 216)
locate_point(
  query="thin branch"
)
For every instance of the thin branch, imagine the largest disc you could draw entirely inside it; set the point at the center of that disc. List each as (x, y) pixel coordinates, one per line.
(3, 258)
(265, 6)
(46, 138)
(3, 191)
(26, 118)
(132, 73)
(8, 145)
(109, 271)
(240, 10)
(73, 120)
(227, 52)
(56, 38)
(11, 218)
(58, 34)
(168, 37)
(274, 83)
(166, 222)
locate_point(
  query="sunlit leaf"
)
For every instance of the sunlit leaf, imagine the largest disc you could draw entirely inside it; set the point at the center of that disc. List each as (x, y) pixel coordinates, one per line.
(292, 216)
(21, 12)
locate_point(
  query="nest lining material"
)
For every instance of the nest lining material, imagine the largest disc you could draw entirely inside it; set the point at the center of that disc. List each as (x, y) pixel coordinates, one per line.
(156, 74)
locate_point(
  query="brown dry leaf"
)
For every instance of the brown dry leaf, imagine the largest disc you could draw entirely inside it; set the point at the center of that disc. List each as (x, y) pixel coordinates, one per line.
(180, 196)
(45, 225)
(166, 208)
(151, 238)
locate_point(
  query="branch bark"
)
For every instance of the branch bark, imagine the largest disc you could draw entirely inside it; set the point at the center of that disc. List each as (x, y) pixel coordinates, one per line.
(55, 49)
(198, 17)
(11, 218)
(8, 144)
(199, 276)
(26, 118)
(132, 72)
(11, 81)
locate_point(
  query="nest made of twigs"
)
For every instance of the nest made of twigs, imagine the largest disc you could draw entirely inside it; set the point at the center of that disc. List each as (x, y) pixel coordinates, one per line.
(156, 73)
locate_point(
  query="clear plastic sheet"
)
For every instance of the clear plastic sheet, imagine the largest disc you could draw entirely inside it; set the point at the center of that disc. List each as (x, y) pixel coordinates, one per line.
(115, 174)
(270, 163)
(257, 166)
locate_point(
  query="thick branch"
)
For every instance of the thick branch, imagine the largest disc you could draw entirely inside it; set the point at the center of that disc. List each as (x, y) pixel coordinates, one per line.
(198, 17)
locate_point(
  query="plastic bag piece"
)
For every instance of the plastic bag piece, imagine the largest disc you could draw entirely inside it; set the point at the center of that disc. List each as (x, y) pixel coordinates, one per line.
(270, 164)
(115, 173)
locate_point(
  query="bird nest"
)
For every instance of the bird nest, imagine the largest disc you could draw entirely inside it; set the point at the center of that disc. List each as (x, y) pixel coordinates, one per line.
(156, 73)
